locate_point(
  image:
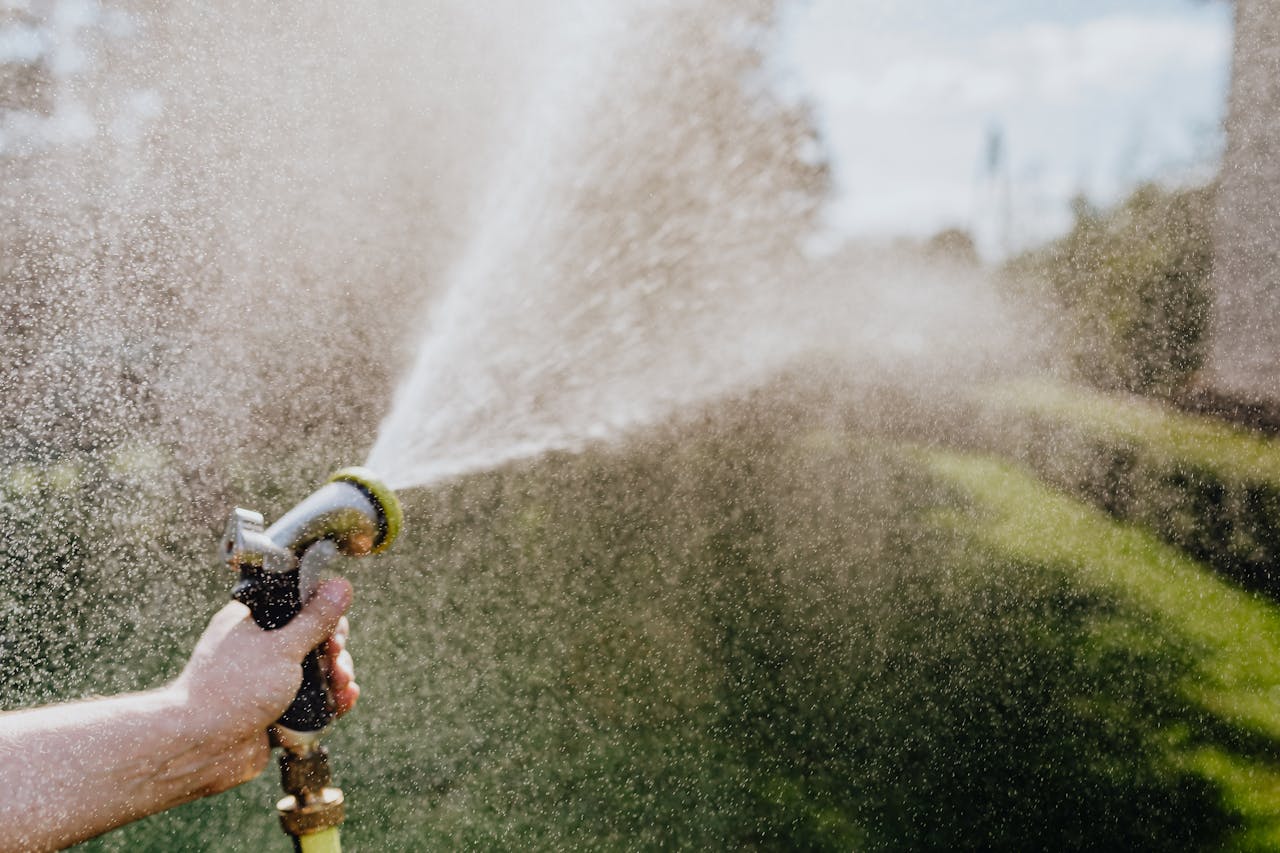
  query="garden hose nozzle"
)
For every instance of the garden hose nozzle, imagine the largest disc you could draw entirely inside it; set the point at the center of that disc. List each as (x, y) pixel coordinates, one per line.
(353, 514)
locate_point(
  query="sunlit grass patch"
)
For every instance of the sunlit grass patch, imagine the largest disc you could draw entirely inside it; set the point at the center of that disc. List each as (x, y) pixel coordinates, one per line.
(1230, 452)
(1235, 634)
(1210, 488)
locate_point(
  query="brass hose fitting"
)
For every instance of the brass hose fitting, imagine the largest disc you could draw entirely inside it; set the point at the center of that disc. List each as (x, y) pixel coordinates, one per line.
(313, 804)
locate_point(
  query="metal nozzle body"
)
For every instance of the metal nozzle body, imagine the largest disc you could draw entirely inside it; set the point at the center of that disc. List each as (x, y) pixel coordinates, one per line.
(356, 516)
(340, 511)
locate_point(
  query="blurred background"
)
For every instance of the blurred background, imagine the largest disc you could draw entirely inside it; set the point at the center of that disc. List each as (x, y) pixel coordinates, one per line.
(821, 425)
(943, 115)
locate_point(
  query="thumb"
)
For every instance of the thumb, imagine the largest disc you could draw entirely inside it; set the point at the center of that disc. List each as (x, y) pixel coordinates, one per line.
(316, 621)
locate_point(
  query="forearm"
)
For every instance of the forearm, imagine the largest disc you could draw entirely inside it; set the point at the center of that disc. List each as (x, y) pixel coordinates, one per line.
(74, 771)
(71, 772)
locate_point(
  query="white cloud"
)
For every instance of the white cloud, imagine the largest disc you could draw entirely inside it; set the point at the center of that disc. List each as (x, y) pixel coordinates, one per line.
(1120, 54)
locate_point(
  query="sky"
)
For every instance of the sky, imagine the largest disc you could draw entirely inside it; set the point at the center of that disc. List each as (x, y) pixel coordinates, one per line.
(992, 115)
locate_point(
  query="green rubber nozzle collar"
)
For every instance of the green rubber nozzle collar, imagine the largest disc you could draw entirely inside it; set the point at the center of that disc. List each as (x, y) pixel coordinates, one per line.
(391, 516)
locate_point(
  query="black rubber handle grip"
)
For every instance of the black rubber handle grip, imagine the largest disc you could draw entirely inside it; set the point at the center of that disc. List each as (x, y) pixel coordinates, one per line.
(274, 599)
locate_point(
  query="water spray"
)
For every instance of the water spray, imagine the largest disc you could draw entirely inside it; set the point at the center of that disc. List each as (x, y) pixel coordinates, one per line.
(353, 514)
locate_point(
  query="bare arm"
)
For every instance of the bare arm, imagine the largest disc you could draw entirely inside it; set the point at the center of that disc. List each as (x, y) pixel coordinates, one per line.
(73, 771)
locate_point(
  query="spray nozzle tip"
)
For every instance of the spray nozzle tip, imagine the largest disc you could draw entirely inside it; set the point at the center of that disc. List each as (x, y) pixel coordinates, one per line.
(390, 516)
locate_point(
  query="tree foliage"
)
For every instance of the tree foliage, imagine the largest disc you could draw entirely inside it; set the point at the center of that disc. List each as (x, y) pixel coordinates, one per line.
(1130, 289)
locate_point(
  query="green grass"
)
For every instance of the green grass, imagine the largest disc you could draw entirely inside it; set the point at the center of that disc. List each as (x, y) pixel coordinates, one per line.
(1204, 486)
(1237, 635)
(1232, 454)
(751, 631)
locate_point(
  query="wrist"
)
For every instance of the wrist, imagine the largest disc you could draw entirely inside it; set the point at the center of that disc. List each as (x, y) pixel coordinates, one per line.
(204, 749)
(198, 721)
(177, 745)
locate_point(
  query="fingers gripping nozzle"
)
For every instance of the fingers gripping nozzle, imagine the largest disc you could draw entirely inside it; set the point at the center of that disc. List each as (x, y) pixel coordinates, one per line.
(353, 514)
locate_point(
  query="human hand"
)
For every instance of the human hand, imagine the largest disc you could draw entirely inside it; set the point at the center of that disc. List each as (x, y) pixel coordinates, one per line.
(240, 679)
(76, 770)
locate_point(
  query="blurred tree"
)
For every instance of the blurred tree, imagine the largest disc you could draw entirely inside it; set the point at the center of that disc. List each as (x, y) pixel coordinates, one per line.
(1131, 287)
(953, 245)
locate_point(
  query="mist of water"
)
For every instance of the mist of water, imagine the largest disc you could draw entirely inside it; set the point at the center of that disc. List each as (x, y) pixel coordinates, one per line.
(555, 222)
(643, 248)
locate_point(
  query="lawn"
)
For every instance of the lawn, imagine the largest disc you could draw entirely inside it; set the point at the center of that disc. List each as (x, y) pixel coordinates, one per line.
(758, 629)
